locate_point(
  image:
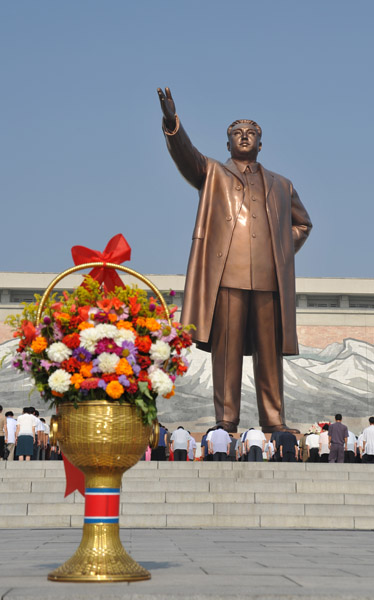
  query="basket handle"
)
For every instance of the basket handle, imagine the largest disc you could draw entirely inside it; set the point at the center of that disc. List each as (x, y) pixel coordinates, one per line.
(100, 264)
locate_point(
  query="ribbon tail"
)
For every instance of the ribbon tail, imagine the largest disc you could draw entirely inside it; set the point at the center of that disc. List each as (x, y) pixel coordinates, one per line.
(74, 478)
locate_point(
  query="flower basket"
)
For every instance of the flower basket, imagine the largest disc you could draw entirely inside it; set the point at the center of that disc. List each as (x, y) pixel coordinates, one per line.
(102, 358)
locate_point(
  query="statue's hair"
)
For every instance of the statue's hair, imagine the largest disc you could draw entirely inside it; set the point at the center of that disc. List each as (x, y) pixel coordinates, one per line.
(256, 126)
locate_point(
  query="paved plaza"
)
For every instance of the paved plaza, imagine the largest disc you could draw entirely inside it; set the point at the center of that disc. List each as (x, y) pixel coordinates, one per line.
(200, 563)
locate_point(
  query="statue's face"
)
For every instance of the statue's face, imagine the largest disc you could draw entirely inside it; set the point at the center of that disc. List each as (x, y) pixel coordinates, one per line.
(244, 142)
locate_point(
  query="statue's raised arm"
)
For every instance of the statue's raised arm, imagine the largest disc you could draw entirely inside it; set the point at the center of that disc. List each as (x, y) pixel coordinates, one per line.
(190, 162)
(168, 108)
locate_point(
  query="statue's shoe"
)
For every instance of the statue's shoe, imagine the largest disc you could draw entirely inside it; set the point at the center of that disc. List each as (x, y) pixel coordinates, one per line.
(282, 427)
(228, 426)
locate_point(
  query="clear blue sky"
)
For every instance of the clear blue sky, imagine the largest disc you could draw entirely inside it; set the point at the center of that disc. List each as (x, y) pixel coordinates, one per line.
(82, 156)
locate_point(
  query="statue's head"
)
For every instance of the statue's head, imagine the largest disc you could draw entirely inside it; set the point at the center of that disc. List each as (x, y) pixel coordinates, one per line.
(244, 139)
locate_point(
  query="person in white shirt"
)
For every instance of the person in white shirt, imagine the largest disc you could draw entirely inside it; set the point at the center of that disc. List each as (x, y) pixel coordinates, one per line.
(191, 447)
(25, 435)
(10, 437)
(312, 442)
(368, 442)
(350, 452)
(180, 443)
(220, 443)
(255, 445)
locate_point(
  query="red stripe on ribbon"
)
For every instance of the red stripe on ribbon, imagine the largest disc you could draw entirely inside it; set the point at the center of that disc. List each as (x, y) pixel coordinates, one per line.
(102, 505)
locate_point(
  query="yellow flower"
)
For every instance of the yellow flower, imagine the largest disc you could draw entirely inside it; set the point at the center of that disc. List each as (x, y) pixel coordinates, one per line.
(76, 380)
(86, 369)
(39, 344)
(152, 324)
(114, 389)
(124, 367)
(141, 322)
(85, 325)
(124, 325)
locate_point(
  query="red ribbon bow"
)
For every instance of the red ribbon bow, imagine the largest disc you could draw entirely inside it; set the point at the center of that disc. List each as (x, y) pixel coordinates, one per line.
(117, 251)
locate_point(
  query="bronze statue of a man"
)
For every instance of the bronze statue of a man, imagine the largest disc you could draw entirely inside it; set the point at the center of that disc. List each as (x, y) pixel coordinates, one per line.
(240, 284)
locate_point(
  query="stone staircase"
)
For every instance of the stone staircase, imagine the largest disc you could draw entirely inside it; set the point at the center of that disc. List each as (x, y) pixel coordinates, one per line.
(200, 495)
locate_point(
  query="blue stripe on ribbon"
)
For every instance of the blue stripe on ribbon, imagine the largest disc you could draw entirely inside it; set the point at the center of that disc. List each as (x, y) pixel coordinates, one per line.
(103, 490)
(101, 519)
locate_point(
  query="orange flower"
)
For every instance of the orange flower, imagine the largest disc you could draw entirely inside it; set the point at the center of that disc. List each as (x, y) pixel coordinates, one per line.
(39, 344)
(152, 324)
(105, 304)
(141, 322)
(62, 316)
(117, 303)
(57, 394)
(112, 317)
(76, 380)
(86, 369)
(85, 325)
(114, 389)
(170, 394)
(124, 325)
(124, 368)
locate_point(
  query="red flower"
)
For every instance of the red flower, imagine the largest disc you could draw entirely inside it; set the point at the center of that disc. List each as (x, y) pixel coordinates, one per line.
(133, 387)
(143, 343)
(143, 376)
(144, 361)
(27, 331)
(109, 377)
(71, 365)
(72, 340)
(134, 305)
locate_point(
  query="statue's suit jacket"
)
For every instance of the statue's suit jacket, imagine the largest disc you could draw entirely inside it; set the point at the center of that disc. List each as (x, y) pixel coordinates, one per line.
(221, 191)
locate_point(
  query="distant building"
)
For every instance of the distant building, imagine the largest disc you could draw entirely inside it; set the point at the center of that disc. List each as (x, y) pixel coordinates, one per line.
(328, 309)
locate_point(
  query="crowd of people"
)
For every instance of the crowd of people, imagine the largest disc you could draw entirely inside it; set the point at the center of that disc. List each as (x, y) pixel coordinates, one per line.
(25, 438)
(323, 442)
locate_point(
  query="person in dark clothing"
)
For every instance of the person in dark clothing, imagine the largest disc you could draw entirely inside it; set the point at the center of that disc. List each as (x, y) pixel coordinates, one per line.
(288, 447)
(275, 437)
(338, 436)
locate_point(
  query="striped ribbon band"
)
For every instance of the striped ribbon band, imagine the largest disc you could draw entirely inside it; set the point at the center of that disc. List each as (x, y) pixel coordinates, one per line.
(102, 505)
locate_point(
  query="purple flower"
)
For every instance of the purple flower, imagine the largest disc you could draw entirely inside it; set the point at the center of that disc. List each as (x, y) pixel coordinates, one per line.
(82, 354)
(45, 364)
(108, 345)
(47, 320)
(102, 384)
(152, 306)
(129, 351)
(171, 293)
(123, 380)
(102, 317)
(57, 333)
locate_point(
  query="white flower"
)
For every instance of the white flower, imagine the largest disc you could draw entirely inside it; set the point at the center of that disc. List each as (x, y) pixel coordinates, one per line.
(161, 382)
(89, 338)
(108, 362)
(160, 351)
(57, 352)
(59, 381)
(123, 335)
(105, 330)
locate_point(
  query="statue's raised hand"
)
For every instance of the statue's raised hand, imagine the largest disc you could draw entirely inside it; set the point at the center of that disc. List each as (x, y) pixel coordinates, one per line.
(167, 107)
